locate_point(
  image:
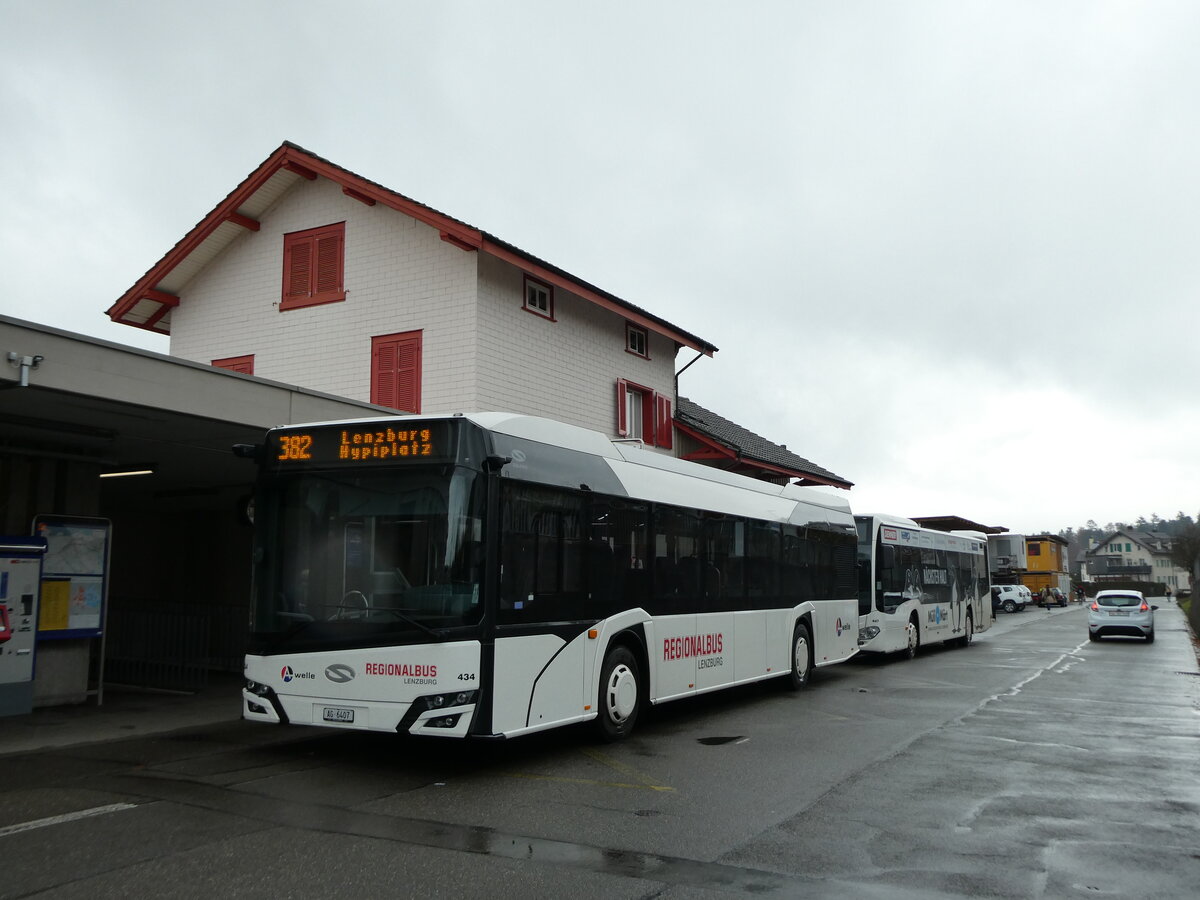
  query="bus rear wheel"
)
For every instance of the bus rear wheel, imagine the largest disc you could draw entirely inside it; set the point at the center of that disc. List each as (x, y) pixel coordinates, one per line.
(914, 639)
(968, 633)
(801, 658)
(620, 694)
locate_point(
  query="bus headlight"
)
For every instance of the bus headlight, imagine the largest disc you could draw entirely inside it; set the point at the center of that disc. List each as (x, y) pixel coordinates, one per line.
(459, 698)
(868, 633)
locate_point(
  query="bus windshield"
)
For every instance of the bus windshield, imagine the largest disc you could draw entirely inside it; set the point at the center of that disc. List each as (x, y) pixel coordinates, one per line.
(367, 557)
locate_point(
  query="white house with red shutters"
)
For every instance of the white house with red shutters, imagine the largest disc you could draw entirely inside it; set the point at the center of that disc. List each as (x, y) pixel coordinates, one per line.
(312, 275)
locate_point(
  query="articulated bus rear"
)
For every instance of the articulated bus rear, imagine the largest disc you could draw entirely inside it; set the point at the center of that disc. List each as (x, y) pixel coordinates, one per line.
(918, 586)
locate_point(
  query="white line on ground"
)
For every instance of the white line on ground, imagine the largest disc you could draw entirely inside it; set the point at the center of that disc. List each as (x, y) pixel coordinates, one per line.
(65, 817)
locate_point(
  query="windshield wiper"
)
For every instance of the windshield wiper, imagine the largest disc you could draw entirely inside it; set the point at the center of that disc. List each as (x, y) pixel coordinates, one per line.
(409, 620)
(303, 620)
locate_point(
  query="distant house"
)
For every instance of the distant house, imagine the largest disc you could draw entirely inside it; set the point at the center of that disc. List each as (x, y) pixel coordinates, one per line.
(312, 275)
(1135, 555)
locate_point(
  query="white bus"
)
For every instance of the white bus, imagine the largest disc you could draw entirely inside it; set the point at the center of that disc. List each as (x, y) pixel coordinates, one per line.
(494, 575)
(918, 586)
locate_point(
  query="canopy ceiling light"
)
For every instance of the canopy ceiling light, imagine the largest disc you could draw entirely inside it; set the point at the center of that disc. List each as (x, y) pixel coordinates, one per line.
(132, 470)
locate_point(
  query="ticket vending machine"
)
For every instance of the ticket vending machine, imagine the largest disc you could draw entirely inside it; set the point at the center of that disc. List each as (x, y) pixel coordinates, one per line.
(20, 584)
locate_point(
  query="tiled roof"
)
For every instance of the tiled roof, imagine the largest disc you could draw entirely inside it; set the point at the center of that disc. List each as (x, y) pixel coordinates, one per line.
(749, 446)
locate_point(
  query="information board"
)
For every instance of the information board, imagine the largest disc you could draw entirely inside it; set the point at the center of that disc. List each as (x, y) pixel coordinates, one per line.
(74, 575)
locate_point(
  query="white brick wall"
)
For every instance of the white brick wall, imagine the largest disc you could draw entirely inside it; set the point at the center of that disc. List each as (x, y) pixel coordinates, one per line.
(488, 354)
(566, 369)
(399, 276)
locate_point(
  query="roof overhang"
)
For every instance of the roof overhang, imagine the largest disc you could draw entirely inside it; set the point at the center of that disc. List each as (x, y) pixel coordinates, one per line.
(149, 302)
(715, 453)
(112, 407)
(957, 523)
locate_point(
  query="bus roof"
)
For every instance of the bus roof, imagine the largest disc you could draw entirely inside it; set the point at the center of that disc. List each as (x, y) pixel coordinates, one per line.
(650, 475)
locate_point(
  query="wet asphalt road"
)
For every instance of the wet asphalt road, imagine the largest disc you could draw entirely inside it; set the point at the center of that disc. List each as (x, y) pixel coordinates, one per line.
(1031, 764)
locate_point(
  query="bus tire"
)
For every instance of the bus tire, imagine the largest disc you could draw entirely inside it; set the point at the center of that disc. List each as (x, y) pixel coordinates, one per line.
(620, 698)
(914, 639)
(801, 658)
(969, 633)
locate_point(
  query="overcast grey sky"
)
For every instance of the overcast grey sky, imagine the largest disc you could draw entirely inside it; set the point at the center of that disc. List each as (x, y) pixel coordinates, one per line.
(948, 249)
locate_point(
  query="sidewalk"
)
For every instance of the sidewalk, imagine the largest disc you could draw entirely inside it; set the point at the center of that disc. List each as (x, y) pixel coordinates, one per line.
(126, 713)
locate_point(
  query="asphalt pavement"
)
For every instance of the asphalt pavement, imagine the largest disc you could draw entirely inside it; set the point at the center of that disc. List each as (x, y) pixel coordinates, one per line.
(126, 712)
(132, 712)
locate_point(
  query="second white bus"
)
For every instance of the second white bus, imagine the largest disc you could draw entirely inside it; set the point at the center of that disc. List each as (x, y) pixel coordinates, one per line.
(918, 586)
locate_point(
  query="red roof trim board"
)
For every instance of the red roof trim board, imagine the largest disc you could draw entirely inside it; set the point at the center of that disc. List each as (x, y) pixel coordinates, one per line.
(459, 234)
(297, 168)
(361, 198)
(245, 221)
(210, 223)
(580, 290)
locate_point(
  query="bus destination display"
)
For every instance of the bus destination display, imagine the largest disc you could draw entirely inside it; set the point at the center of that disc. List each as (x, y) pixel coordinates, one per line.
(376, 443)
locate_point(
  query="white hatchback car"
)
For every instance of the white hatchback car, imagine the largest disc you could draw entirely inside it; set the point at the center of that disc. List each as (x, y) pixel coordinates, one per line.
(1120, 612)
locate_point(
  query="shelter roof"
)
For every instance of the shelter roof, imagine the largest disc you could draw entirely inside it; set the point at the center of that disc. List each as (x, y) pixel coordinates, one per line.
(957, 523)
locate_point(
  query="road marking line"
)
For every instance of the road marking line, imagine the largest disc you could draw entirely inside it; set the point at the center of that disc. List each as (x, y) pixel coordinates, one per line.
(605, 760)
(65, 817)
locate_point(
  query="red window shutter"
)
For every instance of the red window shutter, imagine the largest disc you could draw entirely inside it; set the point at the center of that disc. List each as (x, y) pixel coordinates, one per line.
(666, 428)
(298, 269)
(243, 364)
(396, 371)
(383, 374)
(622, 424)
(314, 266)
(329, 264)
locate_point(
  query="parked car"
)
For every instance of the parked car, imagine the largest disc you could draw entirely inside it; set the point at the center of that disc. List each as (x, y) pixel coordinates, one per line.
(1121, 613)
(1058, 598)
(1010, 597)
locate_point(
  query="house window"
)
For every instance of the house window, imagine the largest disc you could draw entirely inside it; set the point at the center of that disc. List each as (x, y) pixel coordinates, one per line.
(313, 266)
(396, 371)
(1035, 549)
(539, 298)
(243, 364)
(637, 341)
(643, 414)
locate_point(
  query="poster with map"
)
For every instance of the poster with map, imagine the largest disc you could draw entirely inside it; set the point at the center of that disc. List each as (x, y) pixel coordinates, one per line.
(74, 575)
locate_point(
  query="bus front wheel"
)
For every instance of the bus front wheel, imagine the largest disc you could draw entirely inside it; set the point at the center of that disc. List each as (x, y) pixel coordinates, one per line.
(801, 658)
(620, 694)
